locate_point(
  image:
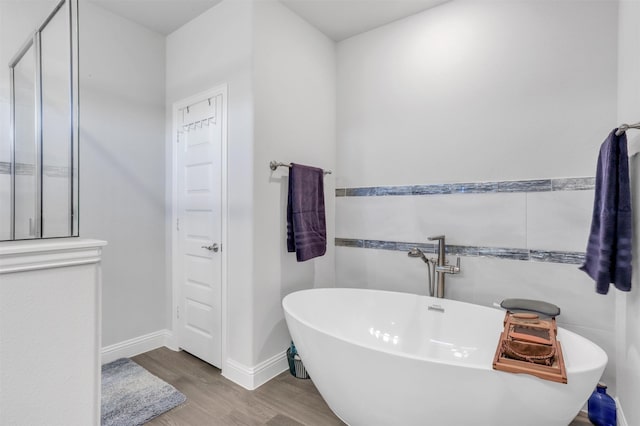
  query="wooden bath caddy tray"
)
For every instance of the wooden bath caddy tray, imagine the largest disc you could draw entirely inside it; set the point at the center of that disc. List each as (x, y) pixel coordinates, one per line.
(529, 345)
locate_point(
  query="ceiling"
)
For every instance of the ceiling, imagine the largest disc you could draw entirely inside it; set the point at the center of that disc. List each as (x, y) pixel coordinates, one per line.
(161, 16)
(341, 19)
(338, 19)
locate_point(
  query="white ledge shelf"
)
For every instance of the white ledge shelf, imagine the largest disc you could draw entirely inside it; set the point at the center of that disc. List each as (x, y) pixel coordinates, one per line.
(50, 331)
(30, 255)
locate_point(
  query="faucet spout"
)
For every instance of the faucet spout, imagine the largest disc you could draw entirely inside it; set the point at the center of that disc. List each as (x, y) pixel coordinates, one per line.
(441, 248)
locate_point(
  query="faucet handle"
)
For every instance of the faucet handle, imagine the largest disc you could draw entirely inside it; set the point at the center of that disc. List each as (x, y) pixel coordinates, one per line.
(449, 269)
(436, 237)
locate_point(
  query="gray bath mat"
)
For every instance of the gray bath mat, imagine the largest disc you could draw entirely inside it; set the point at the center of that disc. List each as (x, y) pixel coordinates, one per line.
(132, 396)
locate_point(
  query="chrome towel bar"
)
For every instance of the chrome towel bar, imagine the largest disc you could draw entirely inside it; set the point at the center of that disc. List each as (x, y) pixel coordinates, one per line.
(273, 165)
(624, 127)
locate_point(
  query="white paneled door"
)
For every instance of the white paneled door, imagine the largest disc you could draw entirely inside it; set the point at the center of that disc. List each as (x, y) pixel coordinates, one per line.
(198, 262)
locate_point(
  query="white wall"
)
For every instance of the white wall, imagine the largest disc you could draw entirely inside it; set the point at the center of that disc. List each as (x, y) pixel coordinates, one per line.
(122, 168)
(473, 92)
(491, 90)
(628, 305)
(212, 49)
(294, 100)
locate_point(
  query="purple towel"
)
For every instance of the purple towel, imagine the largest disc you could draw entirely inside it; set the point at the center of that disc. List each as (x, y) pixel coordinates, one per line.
(306, 224)
(608, 258)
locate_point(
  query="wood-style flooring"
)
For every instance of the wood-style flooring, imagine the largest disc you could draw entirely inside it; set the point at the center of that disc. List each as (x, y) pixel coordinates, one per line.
(214, 400)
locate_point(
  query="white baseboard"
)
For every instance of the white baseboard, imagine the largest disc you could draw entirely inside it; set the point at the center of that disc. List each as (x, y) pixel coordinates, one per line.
(622, 421)
(253, 377)
(136, 346)
(248, 377)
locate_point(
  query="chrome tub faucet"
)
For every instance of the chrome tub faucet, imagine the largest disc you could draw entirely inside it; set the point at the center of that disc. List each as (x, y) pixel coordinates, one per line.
(442, 266)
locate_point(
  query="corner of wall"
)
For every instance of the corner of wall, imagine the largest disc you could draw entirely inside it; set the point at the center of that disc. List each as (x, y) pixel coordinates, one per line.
(137, 345)
(628, 304)
(293, 84)
(253, 377)
(622, 420)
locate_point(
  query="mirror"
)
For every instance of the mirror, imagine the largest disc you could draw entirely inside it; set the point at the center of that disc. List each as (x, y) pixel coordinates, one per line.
(40, 198)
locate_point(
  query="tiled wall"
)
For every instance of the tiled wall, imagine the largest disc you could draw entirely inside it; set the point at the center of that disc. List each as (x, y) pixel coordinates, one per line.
(535, 248)
(521, 239)
(28, 170)
(479, 101)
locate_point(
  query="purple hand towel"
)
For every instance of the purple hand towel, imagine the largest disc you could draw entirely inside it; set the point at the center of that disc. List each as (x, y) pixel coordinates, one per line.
(608, 257)
(306, 223)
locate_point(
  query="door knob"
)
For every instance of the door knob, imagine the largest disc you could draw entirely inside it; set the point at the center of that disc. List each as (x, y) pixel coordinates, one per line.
(213, 247)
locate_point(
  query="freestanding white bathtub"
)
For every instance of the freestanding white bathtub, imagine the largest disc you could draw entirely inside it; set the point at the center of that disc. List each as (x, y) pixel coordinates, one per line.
(386, 358)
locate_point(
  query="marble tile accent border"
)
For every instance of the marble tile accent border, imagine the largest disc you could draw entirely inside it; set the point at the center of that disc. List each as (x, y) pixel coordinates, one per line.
(573, 184)
(23, 169)
(566, 257)
(57, 171)
(534, 185)
(5, 168)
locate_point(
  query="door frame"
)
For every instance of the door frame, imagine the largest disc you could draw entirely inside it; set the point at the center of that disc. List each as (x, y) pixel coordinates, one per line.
(221, 89)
